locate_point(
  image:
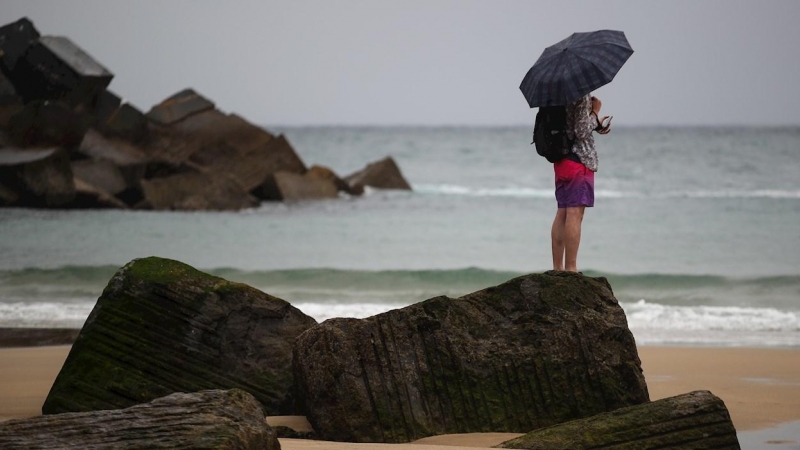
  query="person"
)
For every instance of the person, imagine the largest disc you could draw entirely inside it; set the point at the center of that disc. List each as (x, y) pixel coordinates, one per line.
(575, 180)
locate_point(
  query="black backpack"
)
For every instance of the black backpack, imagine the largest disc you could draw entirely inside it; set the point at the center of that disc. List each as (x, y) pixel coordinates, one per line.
(550, 133)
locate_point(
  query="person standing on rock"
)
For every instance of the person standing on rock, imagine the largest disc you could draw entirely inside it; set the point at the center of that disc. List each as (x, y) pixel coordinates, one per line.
(575, 179)
(560, 85)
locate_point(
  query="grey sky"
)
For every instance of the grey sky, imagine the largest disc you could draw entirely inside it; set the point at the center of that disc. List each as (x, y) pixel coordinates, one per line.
(432, 61)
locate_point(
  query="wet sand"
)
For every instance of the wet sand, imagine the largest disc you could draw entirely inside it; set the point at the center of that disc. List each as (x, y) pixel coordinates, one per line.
(761, 388)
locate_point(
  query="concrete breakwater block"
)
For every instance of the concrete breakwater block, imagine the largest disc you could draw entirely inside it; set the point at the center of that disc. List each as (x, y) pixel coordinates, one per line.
(697, 420)
(212, 419)
(383, 174)
(161, 326)
(285, 186)
(533, 352)
(178, 107)
(35, 177)
(54, 68)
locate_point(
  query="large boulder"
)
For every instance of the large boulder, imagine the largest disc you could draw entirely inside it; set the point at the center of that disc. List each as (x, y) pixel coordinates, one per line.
(10, 102)
(15, 38)
(45, 123)
(35, 177)
(105, 104)
(535, 351)
(327, 174)
(126, 122)
(285, 186)
(212, 419)
(196, 191)
(161, 326)
(697, 420)
(178, 107)
(100, 173)
(54, 68)
(383, 174)
(88, 196)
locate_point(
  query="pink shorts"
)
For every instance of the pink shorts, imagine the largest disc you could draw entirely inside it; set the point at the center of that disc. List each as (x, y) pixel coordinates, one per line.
(574, 184)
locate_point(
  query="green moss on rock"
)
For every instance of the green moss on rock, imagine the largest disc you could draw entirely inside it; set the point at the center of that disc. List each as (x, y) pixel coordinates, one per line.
(162, 326)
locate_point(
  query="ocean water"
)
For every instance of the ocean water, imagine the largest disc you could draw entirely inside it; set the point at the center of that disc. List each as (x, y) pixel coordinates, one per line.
(697, 229)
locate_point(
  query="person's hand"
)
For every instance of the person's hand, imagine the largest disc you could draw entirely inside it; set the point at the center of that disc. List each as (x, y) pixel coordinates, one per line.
(596, 105)
(605, 130)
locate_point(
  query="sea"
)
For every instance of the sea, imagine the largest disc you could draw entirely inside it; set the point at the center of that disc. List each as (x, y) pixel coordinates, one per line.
(696, 228)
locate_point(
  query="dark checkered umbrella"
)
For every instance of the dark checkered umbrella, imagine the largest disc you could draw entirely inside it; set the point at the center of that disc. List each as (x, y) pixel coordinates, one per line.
(575, 67)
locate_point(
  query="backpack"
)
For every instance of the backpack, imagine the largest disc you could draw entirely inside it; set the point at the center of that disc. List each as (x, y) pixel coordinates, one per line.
(550, 133)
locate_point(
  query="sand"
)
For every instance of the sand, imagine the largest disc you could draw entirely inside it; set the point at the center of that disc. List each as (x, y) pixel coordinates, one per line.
(761, 388)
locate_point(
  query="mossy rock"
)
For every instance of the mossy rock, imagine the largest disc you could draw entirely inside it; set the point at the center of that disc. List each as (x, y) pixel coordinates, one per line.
(697, 420)
(161, 326)
(212, 419)
(535, 351)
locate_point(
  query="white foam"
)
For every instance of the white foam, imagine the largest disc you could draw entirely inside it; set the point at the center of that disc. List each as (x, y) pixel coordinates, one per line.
(45, 314)
(324, 311)
(653, 323)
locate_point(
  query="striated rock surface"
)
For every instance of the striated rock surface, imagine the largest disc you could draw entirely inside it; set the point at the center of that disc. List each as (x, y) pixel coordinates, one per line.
(212, 419)
(697, 420)
(533, 352)
(383, 174)
(162, 326)
(178, 107)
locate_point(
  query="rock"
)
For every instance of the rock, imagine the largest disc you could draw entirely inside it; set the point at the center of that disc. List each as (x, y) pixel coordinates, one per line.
(48, 123)
(533, 352)
(101, 174)
(201, 121)
(250, 164)
(383, 174)
(105, 105)
(15, 38)
(287, 186)
(226, 145)
(8, 197)
(325, 173)
(117, 151)
(211, 419)
(54, 68)
(196, 191)
(178, 107)
(36, 177)
(161, 326)
(126, 122)
(697, 420)
(10, 102)
(88, 196)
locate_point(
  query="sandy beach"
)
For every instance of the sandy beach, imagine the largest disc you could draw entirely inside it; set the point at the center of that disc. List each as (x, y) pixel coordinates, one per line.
(761, 388)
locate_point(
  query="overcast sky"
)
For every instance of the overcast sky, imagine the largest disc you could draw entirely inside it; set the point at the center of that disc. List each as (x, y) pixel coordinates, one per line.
(434, 62)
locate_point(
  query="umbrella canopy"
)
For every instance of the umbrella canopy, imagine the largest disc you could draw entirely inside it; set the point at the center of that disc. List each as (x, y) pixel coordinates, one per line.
(575, 67)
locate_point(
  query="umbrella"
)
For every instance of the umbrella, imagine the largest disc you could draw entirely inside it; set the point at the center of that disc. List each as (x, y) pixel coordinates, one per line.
(575, 67)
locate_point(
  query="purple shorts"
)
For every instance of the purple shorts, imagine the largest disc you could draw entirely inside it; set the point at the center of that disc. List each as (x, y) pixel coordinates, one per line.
(574, 184)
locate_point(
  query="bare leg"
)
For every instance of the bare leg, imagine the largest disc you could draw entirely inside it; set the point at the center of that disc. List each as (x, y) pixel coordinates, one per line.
(572, 237)
(557, 236)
